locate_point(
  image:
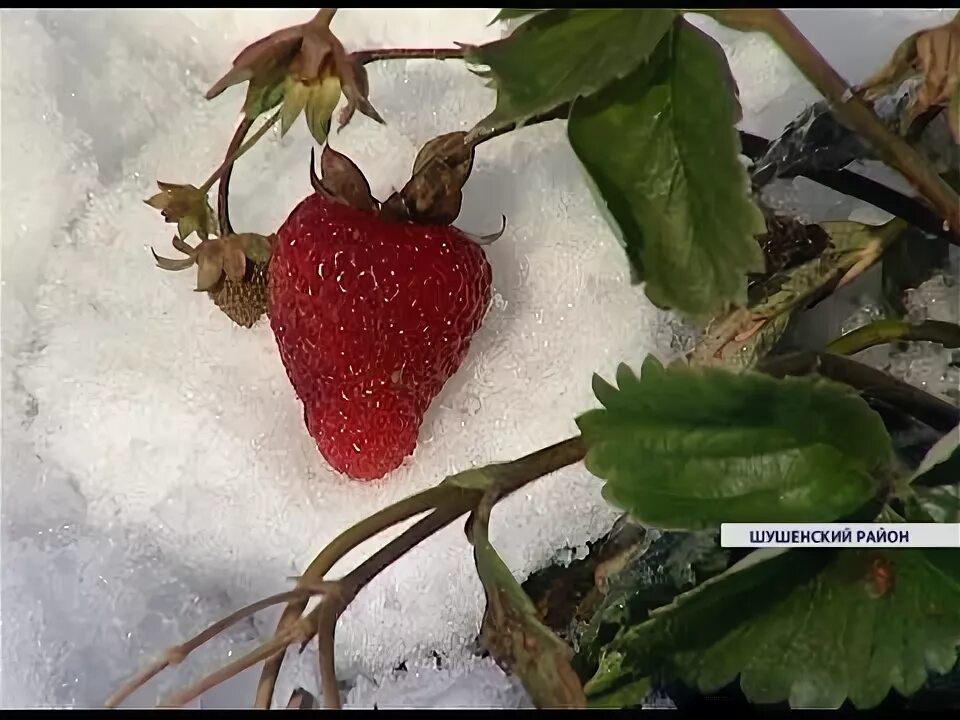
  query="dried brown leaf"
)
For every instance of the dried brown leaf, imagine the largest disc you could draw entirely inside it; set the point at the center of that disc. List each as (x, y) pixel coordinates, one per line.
(934, 55)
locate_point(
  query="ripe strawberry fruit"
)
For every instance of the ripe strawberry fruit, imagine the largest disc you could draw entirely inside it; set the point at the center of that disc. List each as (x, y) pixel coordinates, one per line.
(371, 318)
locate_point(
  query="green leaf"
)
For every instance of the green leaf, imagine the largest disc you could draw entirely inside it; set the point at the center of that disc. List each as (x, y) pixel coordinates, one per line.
(650, 576)
(559, 55)
(938, 504)
(869, 621)
(514, 13)
(942, 462)
(512, 630)
(689, 448)
(660, 145)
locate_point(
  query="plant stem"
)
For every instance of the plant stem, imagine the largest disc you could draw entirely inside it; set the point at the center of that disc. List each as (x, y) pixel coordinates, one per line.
(936, 413)
(448, 500)
(863, 188)
(885, 331)
(365, 57)
(227, 164)
(326, 635)
(178, 653)
(849, 108)
(223, 189)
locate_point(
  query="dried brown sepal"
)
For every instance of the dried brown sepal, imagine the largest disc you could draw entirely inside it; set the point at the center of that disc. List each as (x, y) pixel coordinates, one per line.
(489, 238)
(175, 264)
(433, 195)
(187, 207)
(341, 180)
(210, 264)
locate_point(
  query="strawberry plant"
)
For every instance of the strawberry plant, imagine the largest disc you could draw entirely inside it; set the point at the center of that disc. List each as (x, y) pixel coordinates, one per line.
(374, 302)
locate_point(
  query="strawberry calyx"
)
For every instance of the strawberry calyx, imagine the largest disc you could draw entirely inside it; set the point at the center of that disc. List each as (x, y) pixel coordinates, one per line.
(432, 196)
(231, 257)
(306, 68)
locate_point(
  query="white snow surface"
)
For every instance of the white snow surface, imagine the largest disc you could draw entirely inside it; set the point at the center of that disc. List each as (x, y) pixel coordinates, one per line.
(156, 472)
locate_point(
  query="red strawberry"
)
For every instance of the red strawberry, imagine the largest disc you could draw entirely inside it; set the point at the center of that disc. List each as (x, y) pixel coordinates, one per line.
(372, 318)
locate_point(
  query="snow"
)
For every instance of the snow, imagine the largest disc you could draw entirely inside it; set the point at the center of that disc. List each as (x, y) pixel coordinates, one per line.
(156, 471)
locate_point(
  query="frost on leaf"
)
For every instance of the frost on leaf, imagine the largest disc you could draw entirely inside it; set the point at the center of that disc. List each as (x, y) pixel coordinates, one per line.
(689, 448)
(812, 627)
(559, 55)
(672, 179)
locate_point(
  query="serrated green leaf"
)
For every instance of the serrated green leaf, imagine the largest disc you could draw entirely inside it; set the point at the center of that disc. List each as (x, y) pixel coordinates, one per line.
(868, 622)
(942, 463)
(320, 106)
(559, 55)
(661, 147)
(689, 448)
(295, 97)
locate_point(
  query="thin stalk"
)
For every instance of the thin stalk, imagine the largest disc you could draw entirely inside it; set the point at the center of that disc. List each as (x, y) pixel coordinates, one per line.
(850, 109)
(450, 502)
(228, 162)
(223, 189)
(365, 57)
(881, 332)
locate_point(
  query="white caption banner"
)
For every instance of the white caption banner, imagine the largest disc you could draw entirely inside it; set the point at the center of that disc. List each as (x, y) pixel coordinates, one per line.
(852, 535)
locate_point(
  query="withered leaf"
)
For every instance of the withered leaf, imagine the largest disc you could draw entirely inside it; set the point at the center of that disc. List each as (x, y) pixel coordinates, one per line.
(343, 181)
(741, 337)
(512, 630)
(934, 55)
